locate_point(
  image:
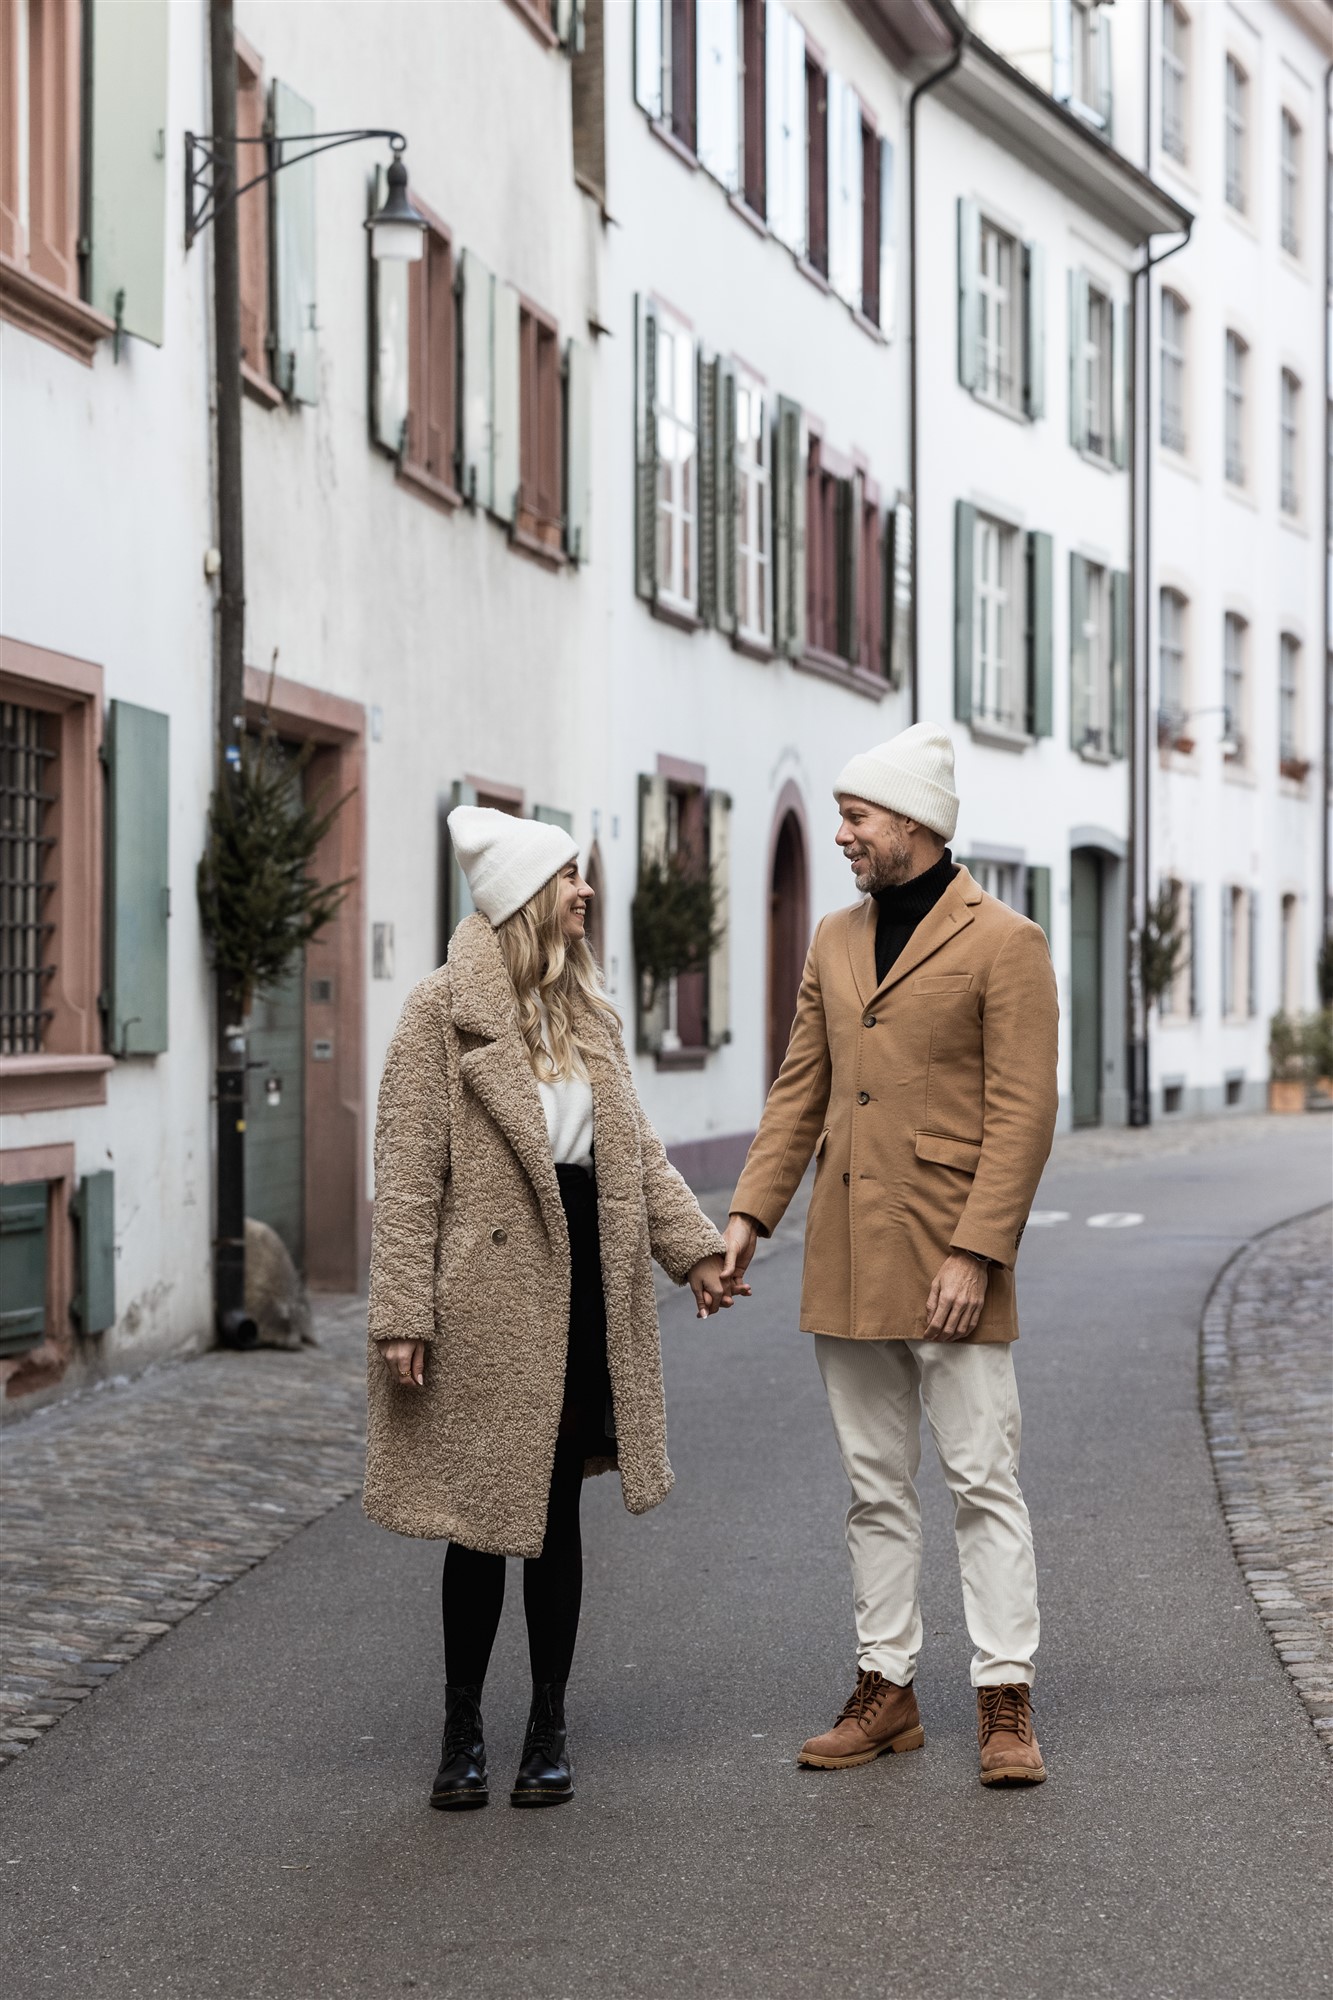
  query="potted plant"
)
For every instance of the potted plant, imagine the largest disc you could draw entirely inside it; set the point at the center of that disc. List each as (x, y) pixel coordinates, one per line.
(675, 928)
(1295, 768)
(1288, 1063)
(1319, 1051)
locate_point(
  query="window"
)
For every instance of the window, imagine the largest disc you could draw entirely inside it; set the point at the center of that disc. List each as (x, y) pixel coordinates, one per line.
(1002, 879)
(1291, 183)
(1288, 707)
(1235, 641)
(1092, 639)
(40, 164)
(846, 191)
(28, 754)
(874, 221)
(1237, 135)
(1081, 65)
(1175, 318)
(1085, 55)
(1237, 918)
(1173, 700)
(429, 436)
(754, 185)
(823, 513)
(844, 573)
(677, 464)
(1096, 374)
(540, 515)
(1175, 52)
(1289, 444)
(997, 342)
(754, 608)
(1289, 967)
(816, 164)
(870, 581)
(998, 693)
(682, 822)
(1237, 356)
(717, 32)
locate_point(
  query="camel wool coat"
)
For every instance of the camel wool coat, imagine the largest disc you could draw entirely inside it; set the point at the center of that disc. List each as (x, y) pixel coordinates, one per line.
(928, 1100)
(470, 1253)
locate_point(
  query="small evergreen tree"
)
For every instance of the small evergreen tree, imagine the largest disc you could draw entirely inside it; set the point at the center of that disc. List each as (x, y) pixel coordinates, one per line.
(1165, 944)
(674, 922)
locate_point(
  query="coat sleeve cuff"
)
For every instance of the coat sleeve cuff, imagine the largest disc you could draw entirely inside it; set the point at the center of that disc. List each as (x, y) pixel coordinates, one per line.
(982, 1241)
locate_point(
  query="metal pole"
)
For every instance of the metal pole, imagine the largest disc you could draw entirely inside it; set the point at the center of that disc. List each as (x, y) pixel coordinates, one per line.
(232, 1326)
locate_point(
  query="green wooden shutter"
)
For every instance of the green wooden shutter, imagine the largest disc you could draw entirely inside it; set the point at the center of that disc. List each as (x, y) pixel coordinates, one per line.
(506, 401)
(388, 342)
(555, 816)
(1119, 384)
(1080, 705)
(474, 400)
(1078, 326)
(898, 619)
(127, 274)
(578, 451)
(726, 497)
(293, 238)
(1252, 980)
(137, 879)
(645, 484)
(460, 903)
(705, 400)
(94, 1212)
(969, 296)
(23, 1233)
(964, 540)
(719, 962)
(1034, 330)
(1040, 602)
(1039, 898)
(650, 1020)
(1119, 662)
(1196, 950)
(789, 528)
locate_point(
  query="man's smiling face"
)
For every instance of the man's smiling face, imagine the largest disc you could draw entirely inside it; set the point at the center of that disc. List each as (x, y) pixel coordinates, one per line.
(875, 842)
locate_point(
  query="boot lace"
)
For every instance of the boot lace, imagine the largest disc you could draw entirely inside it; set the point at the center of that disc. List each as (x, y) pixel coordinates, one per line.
(866, 1695)
(462, 1723)
(1007, 1708)
(543, 1732)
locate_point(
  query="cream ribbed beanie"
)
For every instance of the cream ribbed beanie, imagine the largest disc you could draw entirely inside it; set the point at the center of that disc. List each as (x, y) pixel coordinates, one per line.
(911, 774)
(506, 860)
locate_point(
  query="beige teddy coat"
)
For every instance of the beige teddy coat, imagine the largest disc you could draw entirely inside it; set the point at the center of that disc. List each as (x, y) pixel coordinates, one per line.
(470, 1253)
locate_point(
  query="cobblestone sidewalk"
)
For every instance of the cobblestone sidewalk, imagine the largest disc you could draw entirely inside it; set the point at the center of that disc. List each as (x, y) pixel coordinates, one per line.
(1267, 1386)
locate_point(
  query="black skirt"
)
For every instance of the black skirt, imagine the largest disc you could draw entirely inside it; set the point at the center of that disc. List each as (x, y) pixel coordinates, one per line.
(586, 1417)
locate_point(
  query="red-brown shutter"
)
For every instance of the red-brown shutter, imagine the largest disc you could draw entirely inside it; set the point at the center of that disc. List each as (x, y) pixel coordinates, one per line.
(11, 233)
(53, 112)
(870, 224)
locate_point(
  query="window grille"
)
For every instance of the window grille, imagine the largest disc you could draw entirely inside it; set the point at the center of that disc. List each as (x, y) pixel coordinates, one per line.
(26, 756)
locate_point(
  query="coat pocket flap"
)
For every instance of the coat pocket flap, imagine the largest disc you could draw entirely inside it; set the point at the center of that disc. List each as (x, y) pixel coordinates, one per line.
(945, 1152)
(821, 1142)
(943, 982)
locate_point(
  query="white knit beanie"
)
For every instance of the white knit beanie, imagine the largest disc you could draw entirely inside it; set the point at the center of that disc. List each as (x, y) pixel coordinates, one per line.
(911, 774)
(506, 860)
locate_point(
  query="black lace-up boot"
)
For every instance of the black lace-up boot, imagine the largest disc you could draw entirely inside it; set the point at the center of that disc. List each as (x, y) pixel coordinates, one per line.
(545, 1775)
(460, 1782)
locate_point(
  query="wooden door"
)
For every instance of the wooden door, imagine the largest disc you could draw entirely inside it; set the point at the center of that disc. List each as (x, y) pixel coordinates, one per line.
(788, 925)
(1085, 900)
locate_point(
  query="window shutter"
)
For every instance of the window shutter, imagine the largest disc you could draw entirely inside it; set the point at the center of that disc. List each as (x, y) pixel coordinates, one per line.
(789, 528)
(705, 396)
(717, 88)
(844, 187)
(1119, 662)
(129, 163)
(1105, 105)
(1039, 898)
(1080, 706)
(969, 297)
(652, 847)
(578, 450)
(1196, 950)
(23, 1232)
(460, 903)
(1034, 330)
(887, 238)
(505, 400)
(293, 238)
(475, 286)
(964, 542)
(1040, 616)
(898, 595)
(94, 1212)
(785, 61)
(138, 879)
(1119, 387)
(1253, 941)
(389, 347)
(646, 427)
(648, 55)
(851, 498)
(1062, 50)
(719, 962)
(726, 497)
(1078, 323)
(570, 24)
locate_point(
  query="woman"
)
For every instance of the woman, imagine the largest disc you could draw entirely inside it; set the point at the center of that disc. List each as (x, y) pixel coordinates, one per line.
(514, 1338)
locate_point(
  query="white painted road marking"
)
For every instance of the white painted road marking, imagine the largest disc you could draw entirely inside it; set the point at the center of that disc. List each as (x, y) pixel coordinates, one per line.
(1115, 1220)
(1046, 1218)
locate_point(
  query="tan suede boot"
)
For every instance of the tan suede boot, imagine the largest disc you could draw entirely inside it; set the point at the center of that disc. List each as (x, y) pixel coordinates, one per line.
(1009, 1751)
(879, 1717)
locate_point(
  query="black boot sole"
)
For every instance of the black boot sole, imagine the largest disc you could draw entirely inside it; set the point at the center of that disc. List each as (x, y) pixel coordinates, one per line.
(459, 1801)
(536, 1798)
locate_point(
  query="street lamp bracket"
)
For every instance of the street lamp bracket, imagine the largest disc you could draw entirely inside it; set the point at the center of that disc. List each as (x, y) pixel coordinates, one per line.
(206, 173)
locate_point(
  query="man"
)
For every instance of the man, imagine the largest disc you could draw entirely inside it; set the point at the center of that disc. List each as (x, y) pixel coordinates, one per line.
(921, 1075)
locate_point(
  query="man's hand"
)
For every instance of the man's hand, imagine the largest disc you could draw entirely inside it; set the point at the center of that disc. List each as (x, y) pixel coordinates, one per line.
(405, 1361)
(953, 1310)
(740, 1236)
(709, 1286)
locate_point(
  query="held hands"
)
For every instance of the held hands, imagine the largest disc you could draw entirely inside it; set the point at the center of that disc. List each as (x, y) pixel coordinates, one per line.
(953, 1310)
(708, 1283)
(405, 1361)
(740, 1237)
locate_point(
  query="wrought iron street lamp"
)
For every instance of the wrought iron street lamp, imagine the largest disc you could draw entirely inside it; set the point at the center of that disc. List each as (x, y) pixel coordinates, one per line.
(397, 230)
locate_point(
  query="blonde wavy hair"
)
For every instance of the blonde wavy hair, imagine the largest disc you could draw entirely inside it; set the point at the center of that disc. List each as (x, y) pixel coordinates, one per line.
(548, 969)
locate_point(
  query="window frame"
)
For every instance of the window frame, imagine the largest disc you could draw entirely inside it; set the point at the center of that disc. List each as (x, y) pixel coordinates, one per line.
(1235, 385)
(1289, 181)
(1005, 350)
(1236, 686)
(1173, 667)
(1289, 444)
(754, 510)
(1174, 130)
(539, 513)
(1289, 664)
(1236, 114)
(677, 586)
(423, 340)
(1173, 363)
(1097, 374)
(816, 164)
(1097, 642)
(997, 612)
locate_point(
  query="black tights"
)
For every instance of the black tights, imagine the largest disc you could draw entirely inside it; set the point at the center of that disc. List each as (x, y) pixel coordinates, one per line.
(473, 1588)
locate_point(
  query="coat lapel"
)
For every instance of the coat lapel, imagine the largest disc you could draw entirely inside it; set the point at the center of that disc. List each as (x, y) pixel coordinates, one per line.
(952, 914)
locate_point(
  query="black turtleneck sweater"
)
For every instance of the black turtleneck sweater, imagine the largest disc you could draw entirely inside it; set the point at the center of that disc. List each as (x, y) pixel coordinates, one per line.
(902, 907)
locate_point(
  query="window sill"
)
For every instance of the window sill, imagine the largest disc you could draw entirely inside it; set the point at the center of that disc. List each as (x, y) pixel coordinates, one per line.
(1238, 774)
(427, 487)
(1098, 459)
(680, 1059)
(1090, 756)
(530, 18)
(818, 278)
(870, 327)
(42, 309)
(828, 667)
(1294, 262)
(1177, 461)
(528, 543)
(753, 648)
(51, 1082)
(679, 615)
(1295, 524)
(1240, 494)
(1001, 736)
(750, 215)
(1014, 411)
(259, 388)
(661, 130)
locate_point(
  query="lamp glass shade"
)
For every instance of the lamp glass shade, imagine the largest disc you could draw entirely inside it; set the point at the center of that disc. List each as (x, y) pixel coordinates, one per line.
(398, 230)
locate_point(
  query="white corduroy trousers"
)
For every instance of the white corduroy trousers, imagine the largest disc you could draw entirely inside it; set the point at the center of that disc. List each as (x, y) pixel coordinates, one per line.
(877, 1390)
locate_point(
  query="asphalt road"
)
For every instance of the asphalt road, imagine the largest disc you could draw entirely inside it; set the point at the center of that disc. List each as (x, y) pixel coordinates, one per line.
(242, 1811)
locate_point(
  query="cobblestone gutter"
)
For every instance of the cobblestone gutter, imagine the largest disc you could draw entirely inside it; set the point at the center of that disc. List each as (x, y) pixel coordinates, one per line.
(1266, 1376)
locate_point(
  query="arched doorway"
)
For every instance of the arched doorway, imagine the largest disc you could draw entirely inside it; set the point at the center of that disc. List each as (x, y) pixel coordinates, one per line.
(788, 934)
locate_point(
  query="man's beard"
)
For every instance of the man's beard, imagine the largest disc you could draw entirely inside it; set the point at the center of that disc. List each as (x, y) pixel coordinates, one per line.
(886, 871)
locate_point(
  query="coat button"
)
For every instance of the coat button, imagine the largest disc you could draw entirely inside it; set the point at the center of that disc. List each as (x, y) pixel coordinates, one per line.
(863, 1097)
(846, 1180)
(499, 1236)
(869, 1021)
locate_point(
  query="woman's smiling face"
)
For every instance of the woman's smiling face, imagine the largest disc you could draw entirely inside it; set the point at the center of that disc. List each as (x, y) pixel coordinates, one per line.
(575, 897)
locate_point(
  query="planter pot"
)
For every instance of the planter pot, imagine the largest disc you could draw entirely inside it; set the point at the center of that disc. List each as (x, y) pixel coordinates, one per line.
(1286, 1094)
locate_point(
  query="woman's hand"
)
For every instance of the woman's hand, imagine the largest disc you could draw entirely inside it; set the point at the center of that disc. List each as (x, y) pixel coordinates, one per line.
(405, 1361)
(705, 1281)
